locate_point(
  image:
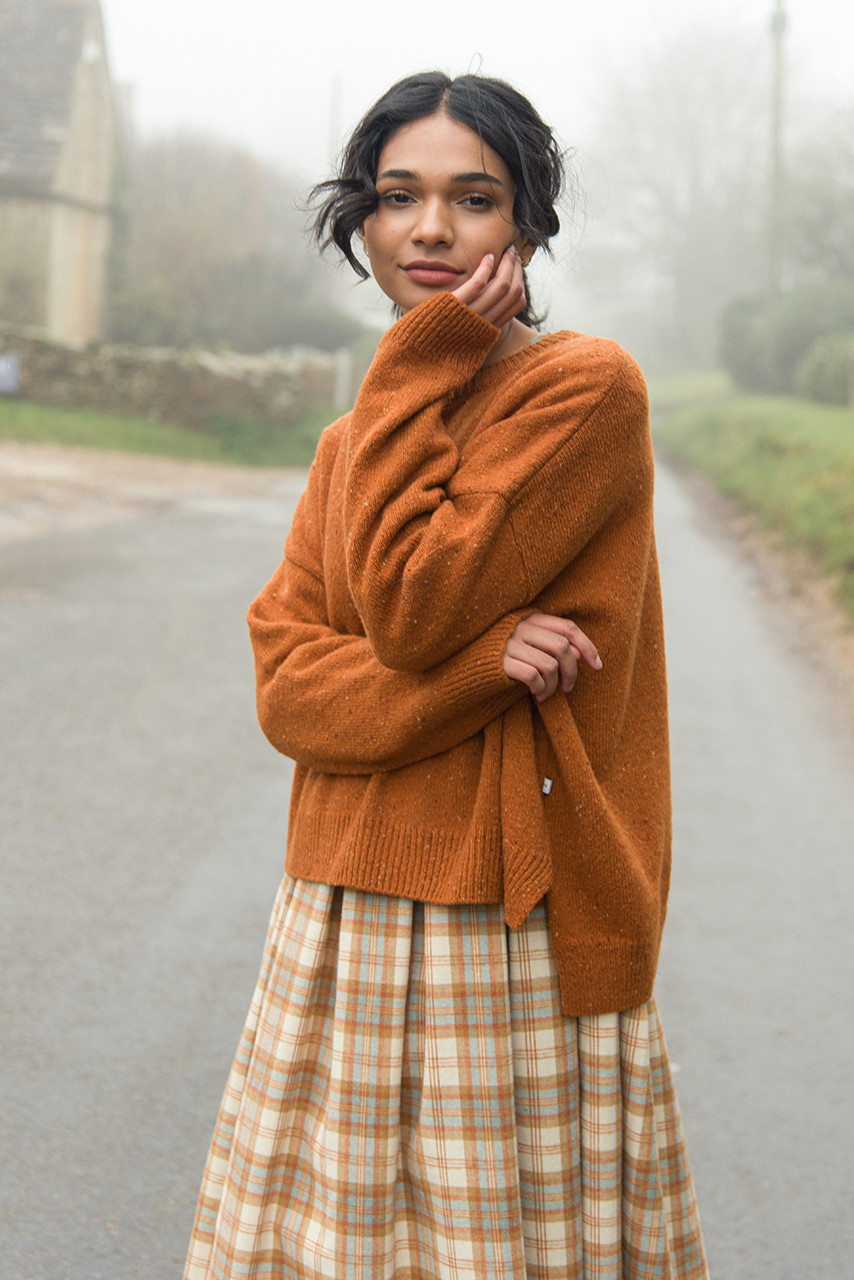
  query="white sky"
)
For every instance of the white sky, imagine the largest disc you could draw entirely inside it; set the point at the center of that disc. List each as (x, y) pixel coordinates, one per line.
(288, 79)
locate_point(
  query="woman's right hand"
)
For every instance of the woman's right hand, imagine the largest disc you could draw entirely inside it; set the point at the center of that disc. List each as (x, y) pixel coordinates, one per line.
(544, 650)
(497, 294)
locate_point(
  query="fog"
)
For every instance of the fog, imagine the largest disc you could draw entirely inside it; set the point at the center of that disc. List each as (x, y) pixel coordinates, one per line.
(287, 83)
(287, 80)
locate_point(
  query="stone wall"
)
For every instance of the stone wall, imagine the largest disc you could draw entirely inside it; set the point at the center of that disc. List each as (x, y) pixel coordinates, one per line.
(189, 388)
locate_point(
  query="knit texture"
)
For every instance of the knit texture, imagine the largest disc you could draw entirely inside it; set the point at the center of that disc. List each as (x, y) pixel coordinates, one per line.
(453, 501)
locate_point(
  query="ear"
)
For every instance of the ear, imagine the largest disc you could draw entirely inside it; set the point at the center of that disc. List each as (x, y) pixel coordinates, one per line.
(526, 249)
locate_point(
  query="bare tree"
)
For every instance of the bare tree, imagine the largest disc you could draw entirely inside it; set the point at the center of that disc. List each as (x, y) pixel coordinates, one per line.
(821, 198)
(681, 150)
(214, 252)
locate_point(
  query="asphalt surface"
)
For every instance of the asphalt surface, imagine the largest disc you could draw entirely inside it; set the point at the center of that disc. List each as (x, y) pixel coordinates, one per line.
(143, 821)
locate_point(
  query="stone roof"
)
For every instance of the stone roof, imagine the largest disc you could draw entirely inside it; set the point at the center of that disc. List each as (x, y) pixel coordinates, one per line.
(41, 43)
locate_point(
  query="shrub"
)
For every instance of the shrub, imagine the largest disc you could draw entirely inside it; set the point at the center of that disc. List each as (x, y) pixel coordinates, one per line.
(827, 370)
(763, 341)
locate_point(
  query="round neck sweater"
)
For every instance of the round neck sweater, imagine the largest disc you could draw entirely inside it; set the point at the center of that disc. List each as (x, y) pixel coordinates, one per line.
(456, 499)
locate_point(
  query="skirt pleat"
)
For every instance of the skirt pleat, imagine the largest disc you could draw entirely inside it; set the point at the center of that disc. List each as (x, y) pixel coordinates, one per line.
(408, 1102)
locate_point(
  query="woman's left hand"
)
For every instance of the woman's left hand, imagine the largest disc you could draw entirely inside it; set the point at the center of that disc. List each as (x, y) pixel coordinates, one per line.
(544, 650)
(496, 297)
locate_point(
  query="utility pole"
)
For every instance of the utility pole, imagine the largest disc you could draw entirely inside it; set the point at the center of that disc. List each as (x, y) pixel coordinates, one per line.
(774, 240)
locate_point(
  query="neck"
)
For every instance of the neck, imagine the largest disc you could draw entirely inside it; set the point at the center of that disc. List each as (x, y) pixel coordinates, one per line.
(514, 336)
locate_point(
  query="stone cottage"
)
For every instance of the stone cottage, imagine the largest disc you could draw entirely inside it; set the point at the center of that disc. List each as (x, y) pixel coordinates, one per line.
(57, 143)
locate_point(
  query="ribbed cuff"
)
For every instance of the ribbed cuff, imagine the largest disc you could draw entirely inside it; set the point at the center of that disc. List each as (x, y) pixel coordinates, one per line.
(444, 328)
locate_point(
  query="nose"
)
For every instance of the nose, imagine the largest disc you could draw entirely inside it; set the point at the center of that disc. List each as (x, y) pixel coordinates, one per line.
(433, 224)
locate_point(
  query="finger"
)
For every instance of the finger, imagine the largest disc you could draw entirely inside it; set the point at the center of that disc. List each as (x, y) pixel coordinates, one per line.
(583, 647)
(580, 642)
(471, 289)
(536, 658)
(552, 645)
(512, 305)
(496, 298)
(550, 665)
(504, 296)
(528, 675)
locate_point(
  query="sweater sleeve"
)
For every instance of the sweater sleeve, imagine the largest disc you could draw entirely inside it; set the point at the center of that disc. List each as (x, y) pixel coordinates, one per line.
(439, 549)
(326, 700)
(323, 696)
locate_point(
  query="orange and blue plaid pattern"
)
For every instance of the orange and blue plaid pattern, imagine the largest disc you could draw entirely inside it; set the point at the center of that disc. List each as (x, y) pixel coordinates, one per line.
(408, 1102)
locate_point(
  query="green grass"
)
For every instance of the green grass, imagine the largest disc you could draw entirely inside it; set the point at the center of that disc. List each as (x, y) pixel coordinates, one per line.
(790, 461)
(681, 390)
(235, 440)
(256, 444)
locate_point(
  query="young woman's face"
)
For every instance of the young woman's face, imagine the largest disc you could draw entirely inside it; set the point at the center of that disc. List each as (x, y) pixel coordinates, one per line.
(445, 200)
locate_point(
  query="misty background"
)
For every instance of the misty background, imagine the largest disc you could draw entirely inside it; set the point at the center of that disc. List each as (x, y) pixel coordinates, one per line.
(232, 113)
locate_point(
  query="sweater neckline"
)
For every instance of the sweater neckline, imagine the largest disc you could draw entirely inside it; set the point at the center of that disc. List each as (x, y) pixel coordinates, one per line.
(488, 372)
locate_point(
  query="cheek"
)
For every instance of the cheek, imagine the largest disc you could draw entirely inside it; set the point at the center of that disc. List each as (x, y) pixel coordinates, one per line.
(495, 242)
(475, 241)
(500, 233)
(379, 238)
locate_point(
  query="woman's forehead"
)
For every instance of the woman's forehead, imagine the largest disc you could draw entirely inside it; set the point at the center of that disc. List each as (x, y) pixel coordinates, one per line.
(439, 143)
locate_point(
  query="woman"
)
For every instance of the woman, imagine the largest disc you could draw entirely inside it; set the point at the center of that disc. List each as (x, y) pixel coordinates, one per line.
(453, 1065)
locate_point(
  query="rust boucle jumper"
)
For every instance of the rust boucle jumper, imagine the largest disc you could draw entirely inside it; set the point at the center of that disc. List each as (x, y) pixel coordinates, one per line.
(454, 500)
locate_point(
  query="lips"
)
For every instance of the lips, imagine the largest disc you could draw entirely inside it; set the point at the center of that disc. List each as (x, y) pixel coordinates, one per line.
(429, 272)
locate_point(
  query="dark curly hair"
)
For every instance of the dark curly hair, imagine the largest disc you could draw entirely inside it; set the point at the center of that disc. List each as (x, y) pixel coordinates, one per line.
(501, 117)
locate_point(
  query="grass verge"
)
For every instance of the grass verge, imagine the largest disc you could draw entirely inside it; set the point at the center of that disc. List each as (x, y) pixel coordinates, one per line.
(244, 441)
(790, 461)
(687, 390)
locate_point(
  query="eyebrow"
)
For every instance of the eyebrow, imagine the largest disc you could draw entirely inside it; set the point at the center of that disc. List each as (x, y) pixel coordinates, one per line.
(408, 175)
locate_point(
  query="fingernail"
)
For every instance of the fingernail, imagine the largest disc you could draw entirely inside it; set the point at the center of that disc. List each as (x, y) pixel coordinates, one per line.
(598, 663)
(491, 257)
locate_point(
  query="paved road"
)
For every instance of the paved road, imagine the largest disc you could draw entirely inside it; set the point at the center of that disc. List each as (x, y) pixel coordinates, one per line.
(143, 825)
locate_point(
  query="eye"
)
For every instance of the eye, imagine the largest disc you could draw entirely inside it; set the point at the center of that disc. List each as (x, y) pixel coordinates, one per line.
(396, 197)
(477, 201)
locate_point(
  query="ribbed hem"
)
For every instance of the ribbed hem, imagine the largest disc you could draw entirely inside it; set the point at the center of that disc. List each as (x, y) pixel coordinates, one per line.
(603, 976)
(599, 975)
(524, 886)
(387, 857)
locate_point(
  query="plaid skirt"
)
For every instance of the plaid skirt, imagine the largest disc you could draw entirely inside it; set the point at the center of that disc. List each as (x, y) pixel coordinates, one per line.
(408, 1102)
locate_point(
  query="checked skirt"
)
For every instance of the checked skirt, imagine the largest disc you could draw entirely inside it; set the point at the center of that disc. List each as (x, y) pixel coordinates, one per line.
(408, 1102)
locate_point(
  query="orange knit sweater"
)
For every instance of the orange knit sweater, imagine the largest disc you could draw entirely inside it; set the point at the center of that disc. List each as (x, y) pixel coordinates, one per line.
(454, 500)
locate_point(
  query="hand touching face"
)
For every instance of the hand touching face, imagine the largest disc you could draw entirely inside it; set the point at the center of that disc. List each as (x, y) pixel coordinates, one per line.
(496, 293)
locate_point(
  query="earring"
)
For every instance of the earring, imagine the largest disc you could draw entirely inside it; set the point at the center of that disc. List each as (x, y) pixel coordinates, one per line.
(526, 256)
